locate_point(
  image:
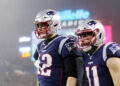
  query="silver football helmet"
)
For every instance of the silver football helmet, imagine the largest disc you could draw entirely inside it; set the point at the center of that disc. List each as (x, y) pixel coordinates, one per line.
(47, 22)
(94, 29)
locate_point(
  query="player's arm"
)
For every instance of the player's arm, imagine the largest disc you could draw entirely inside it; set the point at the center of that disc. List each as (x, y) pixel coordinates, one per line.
(71, 81)
(71, 70)
(70, 53)
(113, 65)
(35, 59)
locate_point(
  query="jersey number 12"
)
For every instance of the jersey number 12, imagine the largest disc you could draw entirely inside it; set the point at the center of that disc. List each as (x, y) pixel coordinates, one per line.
(44, 69)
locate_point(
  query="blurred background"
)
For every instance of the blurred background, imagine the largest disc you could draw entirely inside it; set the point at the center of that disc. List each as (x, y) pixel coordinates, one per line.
(17, 41)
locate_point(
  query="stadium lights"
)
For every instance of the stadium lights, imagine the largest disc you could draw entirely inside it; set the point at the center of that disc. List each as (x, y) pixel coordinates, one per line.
(24, 39)
(108, 32)
(25, 55)
(24, 49)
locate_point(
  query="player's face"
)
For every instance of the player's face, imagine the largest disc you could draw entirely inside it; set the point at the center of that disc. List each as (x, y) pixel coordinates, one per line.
(86, 38)
(42, 27)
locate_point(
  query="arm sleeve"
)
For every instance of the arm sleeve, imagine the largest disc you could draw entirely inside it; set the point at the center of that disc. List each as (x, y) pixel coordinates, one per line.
(82, 76)
(70, 65)
(74, 67)
(85, 79)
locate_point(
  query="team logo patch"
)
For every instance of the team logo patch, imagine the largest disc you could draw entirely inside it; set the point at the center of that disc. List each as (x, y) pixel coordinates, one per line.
(118, 47)
(114, 48)
(70, 45)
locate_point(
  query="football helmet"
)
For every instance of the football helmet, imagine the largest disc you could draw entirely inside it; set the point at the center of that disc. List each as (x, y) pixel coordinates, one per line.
(93, 31)
(47, 22)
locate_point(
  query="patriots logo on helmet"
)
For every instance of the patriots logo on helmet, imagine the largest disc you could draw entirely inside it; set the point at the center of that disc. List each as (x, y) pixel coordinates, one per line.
(50, 13)
(91, 22)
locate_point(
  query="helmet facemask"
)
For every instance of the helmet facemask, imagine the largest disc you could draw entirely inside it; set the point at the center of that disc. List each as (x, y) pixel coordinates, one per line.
(95, 31)
(86, 38)
(43, 29)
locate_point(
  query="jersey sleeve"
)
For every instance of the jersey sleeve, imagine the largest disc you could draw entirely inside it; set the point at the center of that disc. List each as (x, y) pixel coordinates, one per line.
(36, 55)
(67, 47)
(112, 50)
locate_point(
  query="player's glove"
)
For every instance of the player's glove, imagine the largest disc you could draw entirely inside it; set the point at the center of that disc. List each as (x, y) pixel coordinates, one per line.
(36, 63)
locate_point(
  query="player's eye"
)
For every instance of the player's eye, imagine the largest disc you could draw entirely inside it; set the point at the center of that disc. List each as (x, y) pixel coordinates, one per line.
(86, 34)
(42, 25)
(37, 25)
